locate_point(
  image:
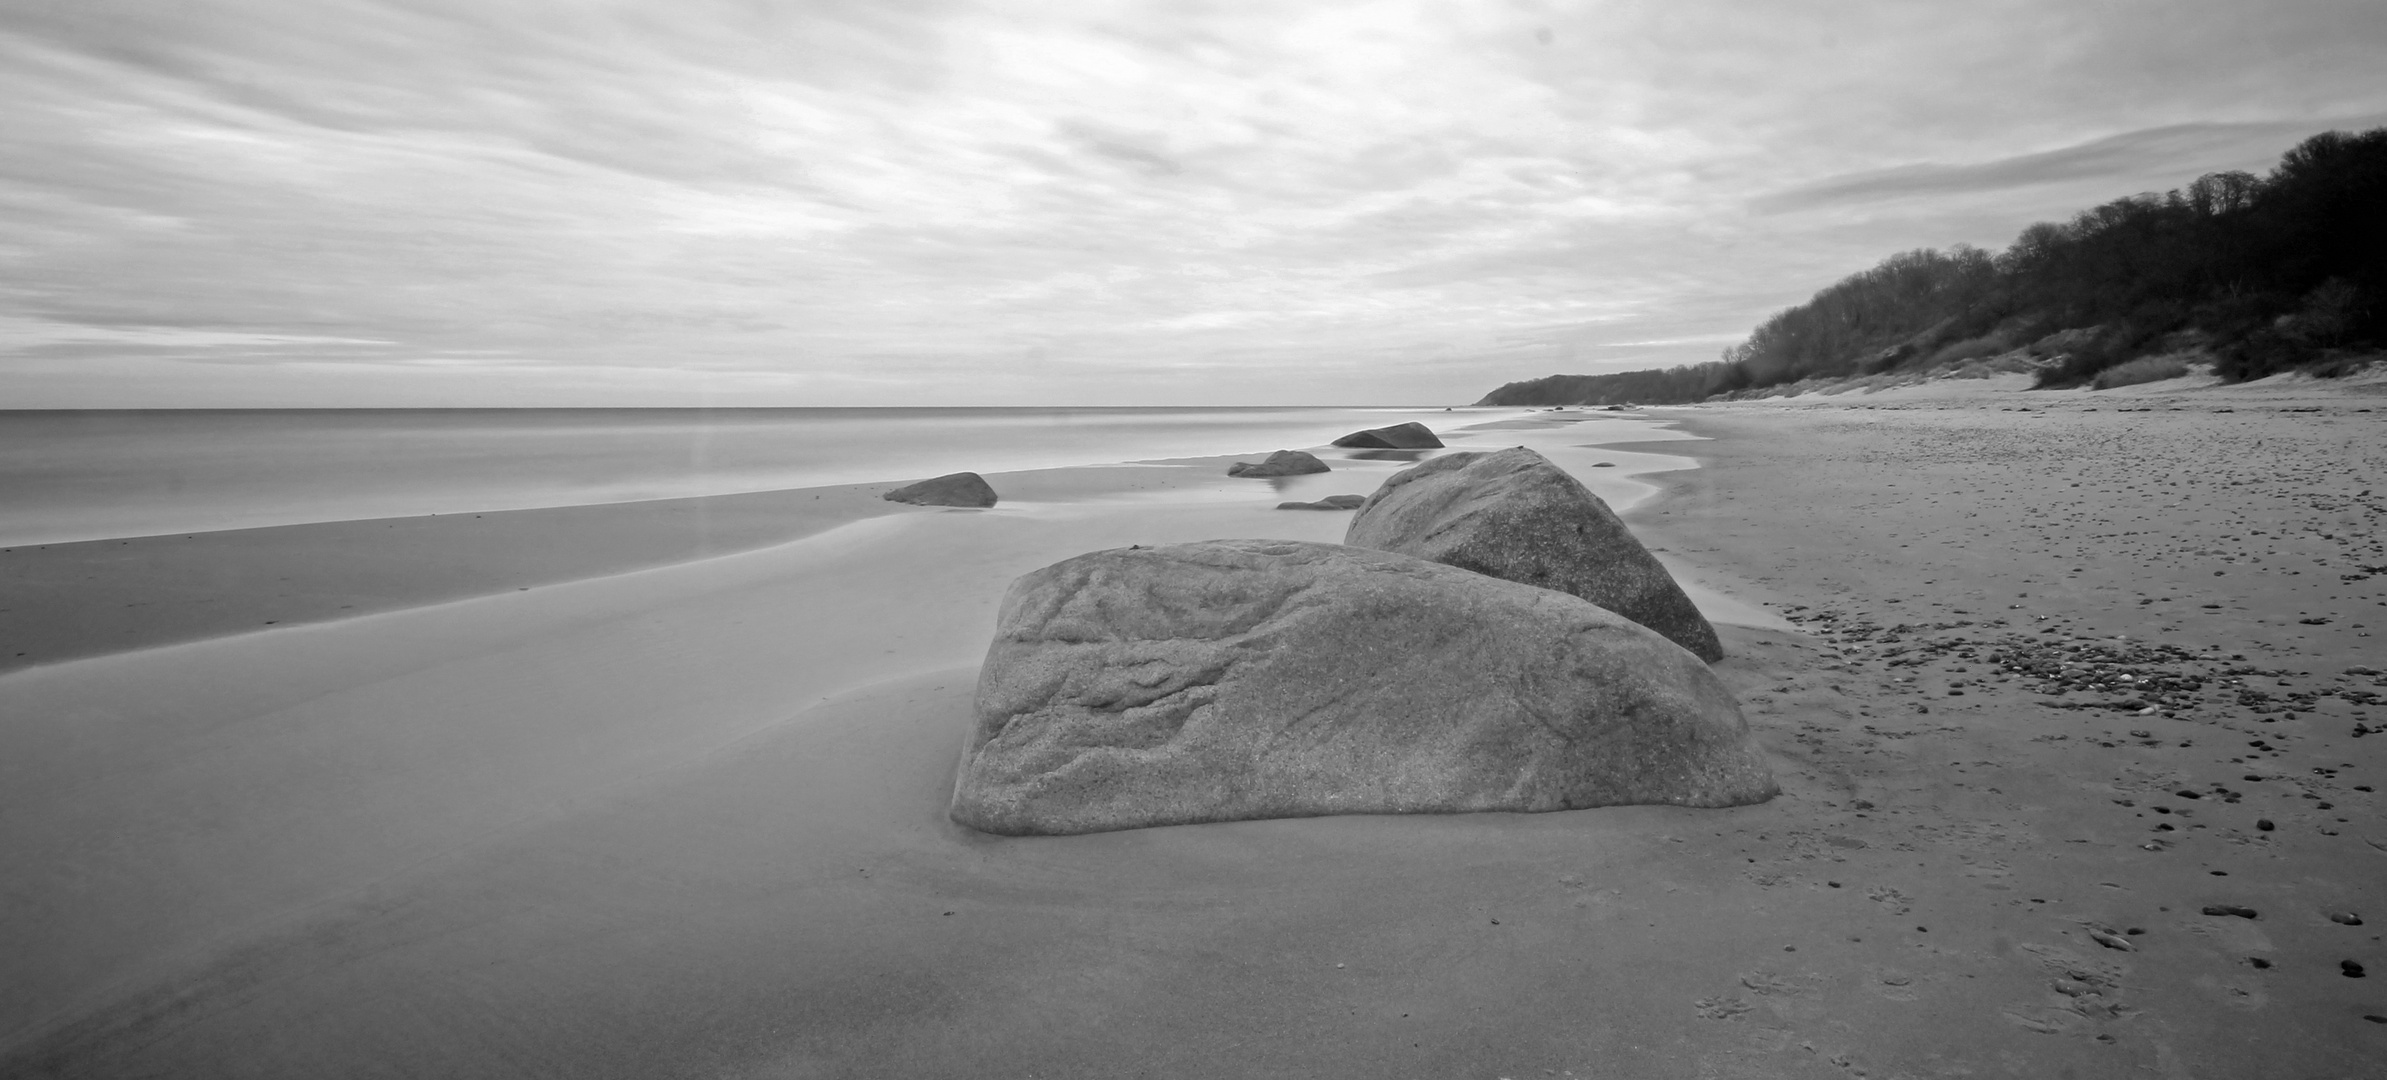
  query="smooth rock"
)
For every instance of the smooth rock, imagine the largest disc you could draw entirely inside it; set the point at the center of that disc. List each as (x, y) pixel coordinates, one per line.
(1513, 515)
(1237, 679)
(1281, 463)
(1409, 436)
(951, 489)
(1331, 502)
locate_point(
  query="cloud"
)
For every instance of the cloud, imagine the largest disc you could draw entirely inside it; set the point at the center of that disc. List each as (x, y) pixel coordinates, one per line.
(1356, 200)
(2174, 149)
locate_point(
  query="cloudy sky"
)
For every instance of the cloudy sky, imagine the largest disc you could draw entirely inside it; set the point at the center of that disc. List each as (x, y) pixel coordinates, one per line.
(855, 202)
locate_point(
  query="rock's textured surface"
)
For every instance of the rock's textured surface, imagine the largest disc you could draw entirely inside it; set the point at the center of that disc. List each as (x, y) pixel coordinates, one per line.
(1331, 502)
(1237, 679)
(951, 489)
(1281, 463)
(1513, 515)
(1411, 436)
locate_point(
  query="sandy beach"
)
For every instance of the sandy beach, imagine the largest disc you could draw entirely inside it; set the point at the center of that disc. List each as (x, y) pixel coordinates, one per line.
(658, 789)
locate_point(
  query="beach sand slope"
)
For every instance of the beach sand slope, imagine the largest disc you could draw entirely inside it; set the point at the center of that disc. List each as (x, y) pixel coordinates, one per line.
(1936, 893)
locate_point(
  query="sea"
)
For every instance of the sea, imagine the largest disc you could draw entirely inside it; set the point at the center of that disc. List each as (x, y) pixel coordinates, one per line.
(90, 475)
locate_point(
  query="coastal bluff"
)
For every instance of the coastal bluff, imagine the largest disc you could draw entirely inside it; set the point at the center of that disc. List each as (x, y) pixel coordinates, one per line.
(1239, 679)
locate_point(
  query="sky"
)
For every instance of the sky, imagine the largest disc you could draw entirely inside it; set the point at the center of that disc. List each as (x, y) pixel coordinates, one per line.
(400, 203)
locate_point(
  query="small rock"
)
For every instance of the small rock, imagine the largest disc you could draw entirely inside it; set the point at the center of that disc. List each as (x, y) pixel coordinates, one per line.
(1331, 502)
(2345, 918)
(2112, 940)
(1410, 436)
(1281, 463)
(951, 489)
(2230, 909)
(2349, 969)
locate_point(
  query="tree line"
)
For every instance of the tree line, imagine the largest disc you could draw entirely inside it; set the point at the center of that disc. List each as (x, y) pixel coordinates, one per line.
(2264, 274)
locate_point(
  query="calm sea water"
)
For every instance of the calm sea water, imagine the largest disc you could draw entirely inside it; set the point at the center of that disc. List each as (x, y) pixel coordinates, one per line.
(91, 475)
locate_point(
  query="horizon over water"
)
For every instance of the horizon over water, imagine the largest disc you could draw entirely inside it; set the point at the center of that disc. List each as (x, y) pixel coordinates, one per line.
(74, 475)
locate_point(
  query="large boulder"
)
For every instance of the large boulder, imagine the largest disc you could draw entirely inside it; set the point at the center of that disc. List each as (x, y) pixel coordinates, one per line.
(1410, 436)
(1281, 463)
(1236, 679)
(1513, 515)
(951, 489)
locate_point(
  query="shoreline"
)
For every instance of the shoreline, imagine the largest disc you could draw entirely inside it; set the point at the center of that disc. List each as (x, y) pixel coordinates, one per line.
(83, 599)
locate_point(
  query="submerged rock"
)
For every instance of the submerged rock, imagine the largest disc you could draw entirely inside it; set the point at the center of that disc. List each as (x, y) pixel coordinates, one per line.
(1513, 515)
(1410, 436)
(951, 489)
(1236, 679)
(1281, 463)
(1331, 502)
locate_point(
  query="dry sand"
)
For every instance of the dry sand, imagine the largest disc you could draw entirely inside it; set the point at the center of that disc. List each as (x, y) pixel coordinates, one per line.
(687, 819)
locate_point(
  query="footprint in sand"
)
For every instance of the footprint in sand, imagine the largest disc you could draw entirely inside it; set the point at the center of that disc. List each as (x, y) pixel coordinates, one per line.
(1764, 877)
(1893, 984)
(1991, 875)
(1582, 895)
(2081, 993)
(2248, 995)
(1784, 995)
(2045, 1019)
(1725, 1007)
(2097, 974)
(1772, 985)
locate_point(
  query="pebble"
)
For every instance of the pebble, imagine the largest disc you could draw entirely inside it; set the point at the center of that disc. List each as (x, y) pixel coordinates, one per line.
(2349, 969)
(2345, 918)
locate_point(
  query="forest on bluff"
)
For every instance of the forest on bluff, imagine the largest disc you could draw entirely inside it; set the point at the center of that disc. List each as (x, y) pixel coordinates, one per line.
(2257, 274)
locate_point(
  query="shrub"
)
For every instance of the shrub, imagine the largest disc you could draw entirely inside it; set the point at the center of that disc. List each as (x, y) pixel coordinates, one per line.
(2145, 369)
(2338, 364)
(1969, 349)
(1984, 369)
(2079, 363)
(2266, 351)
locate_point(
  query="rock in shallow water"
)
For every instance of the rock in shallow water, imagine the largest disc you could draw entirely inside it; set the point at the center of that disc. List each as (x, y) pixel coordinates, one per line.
(1409, 436)
(1281, 463)
(951, 489)
(1331, 502)
(1238, 679)
(1513, 515)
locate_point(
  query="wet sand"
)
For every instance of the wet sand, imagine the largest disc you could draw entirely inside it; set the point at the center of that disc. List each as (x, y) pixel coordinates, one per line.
(686, 820)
